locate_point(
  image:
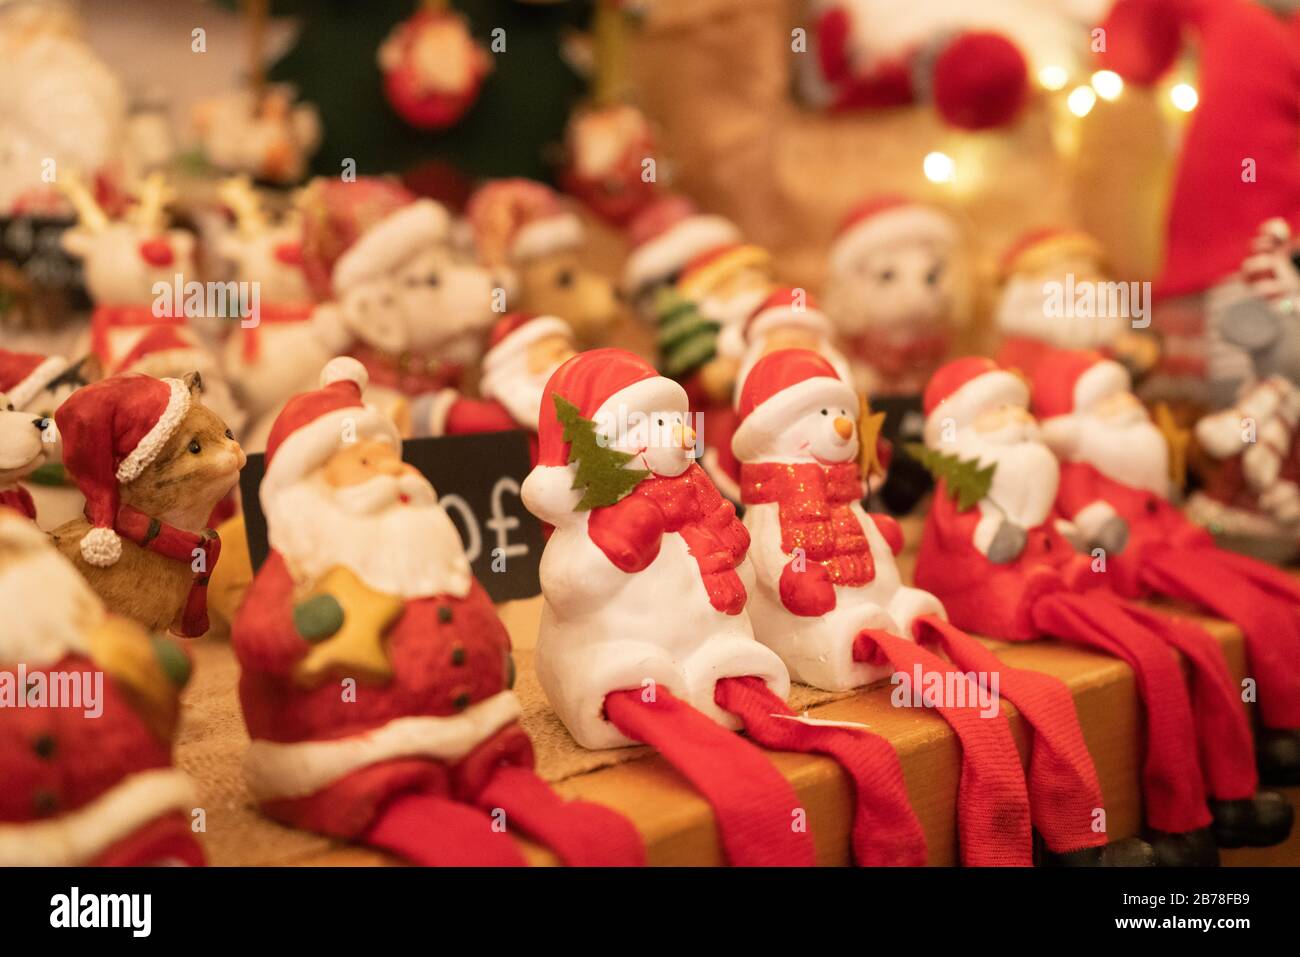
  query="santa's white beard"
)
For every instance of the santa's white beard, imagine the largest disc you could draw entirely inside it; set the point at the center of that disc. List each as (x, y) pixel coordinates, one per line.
(1130, 452)
(412, 550)
(49, 609)
(1026, 475)
(1023, 311)
(518, 390)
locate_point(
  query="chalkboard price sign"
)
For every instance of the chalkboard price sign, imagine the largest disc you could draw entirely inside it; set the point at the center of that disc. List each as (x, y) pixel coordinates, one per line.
(478, 478)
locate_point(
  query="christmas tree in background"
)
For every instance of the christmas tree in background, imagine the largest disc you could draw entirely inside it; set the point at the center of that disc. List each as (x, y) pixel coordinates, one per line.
(513, 129)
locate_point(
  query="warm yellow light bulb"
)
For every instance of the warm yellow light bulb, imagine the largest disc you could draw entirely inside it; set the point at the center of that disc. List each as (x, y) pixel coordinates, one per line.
(1108, 84)
(939, 167)
(1185, 97)
(1081, 100)
(1053, 77)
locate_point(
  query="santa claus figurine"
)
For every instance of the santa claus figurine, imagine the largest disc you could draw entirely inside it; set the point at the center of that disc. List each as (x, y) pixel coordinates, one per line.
(1115, 486)
(432, 68)
(890, 292)
(664, 237)
(635, 520)
(1005, 567)
(376, 675)
(1054, 296)
(523, 351)
(85, 747)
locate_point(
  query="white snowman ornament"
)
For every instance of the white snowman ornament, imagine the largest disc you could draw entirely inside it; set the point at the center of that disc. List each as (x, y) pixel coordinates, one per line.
(825, 568)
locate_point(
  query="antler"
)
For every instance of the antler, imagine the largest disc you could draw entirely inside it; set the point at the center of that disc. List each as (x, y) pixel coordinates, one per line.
(237, 193)
(155, 195)
(90, 214)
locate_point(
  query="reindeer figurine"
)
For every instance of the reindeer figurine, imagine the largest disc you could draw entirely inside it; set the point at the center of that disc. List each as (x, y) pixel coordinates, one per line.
(123, 259)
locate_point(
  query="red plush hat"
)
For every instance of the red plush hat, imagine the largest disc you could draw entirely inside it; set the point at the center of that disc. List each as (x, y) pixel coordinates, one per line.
(111, 431)
(884, 221)
(782, 386)
(962, 389)
(787, 306)
(520, 219)
(1067, 381)
(23, 374)
(667, 236)
(1247, 111)
(593, 381)
(314, 425)
(166, 350)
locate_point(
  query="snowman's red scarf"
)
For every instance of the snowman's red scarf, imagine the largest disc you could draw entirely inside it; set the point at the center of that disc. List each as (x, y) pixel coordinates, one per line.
(630, 531)
(179, 545)
(814, 502)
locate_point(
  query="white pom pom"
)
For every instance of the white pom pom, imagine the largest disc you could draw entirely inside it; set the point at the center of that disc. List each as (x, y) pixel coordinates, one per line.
(101, 547)
(344, 369)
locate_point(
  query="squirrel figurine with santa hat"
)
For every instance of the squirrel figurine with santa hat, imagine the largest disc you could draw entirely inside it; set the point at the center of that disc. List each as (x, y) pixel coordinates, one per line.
(524, 350)
(524, 226)
(890, 291)
(1005, 566)
(368, 587)
(88, 782)
(1116, 487)
(152, 461)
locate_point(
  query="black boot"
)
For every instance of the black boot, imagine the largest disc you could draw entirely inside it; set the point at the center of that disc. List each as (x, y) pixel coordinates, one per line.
(1191, 849)
(1277, 754)
(1259, 821)
(1132, 852)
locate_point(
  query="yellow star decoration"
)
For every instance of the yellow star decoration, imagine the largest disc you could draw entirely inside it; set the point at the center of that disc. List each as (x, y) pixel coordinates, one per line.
(869, 426)
(356, 650)
(1177, 438)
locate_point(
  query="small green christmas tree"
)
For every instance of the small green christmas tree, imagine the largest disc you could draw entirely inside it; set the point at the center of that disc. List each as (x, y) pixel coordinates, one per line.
(966, 482)
(601, 474)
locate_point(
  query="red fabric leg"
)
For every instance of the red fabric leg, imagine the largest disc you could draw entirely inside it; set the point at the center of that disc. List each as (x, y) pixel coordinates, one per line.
(992, 798)
(1064, 792)
(886, 831)
(582, 833)
(439, 832)
(1175, 793)
(754, 805)
(1227, 747)
(1280, 584)
(1233, 588)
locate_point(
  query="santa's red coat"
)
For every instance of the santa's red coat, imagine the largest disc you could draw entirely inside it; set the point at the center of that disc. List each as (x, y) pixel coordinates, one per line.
(981, 597)
(447, 654)
(20, 500)
(1152, 522)
(54, 761)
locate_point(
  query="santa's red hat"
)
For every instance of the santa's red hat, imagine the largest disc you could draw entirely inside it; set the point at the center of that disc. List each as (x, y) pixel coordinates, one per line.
(314, 425)
(24, 374)
(515, 220)
(166, 350)
(1248, 85)
(1040, 248)
(1067, 381)
(962, 389)
(600, 383)
(787, 306)
(882, 222)
(391, 242)
(112, 430)
(514, 333)
(783, 386)
(667, 236)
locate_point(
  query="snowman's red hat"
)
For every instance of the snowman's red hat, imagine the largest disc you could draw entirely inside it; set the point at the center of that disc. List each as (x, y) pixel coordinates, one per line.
(112, 430)
(783, 386)
(599, 383)
(885, 221)
(314, 425)
(787, 306)
(24, 374)
(962, 389)
(668, 235)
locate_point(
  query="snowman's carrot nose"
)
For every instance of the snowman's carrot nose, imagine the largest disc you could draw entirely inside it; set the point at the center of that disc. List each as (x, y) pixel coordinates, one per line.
(843, 427)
